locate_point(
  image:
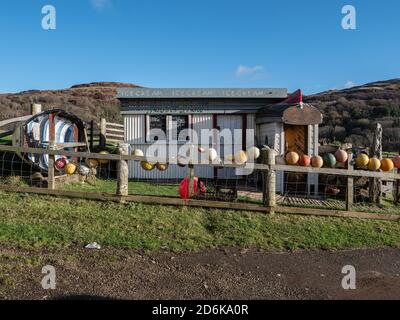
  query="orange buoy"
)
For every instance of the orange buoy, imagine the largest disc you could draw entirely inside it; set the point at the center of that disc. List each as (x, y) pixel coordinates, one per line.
(317, 162)
(341, 156)
(292, 158)
(304, 160)
(374, 164)
(387, 165)
(362, 160)
(396, 162)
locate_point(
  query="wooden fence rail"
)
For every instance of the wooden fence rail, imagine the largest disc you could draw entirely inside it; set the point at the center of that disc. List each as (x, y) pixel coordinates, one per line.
(268, 168)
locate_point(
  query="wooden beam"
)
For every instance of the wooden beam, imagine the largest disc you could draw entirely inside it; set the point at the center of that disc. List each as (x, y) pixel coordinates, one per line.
(9, 121)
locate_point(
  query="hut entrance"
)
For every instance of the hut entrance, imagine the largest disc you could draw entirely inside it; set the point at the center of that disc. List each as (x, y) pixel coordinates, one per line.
(296, 138)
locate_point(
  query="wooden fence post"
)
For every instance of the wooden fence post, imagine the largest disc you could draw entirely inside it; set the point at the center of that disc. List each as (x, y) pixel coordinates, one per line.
(51, 180)
(269, 185)
(36, 109)
(375, 184)
(91, 134)
(103, 129)
(350, 184)
(191, 172)
(123, 171)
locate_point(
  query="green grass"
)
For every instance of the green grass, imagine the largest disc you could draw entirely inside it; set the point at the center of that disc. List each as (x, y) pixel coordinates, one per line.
(31, 221)
(135, 187)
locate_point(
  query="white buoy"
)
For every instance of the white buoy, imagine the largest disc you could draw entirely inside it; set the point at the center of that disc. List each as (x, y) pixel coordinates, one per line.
(212, 154)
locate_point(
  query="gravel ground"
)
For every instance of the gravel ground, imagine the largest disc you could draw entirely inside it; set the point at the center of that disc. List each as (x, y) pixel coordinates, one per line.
(224, 273)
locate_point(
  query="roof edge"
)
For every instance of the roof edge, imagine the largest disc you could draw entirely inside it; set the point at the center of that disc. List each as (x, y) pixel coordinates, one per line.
(199, 93)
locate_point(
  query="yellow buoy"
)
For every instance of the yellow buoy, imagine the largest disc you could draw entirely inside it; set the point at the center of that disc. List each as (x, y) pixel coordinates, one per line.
(147, 165)
(70, 168)
(362, 160)
(387, 165)
(374, 164)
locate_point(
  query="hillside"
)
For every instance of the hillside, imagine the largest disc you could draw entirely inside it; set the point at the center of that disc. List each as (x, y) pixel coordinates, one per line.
(88, 101)
(350, 114)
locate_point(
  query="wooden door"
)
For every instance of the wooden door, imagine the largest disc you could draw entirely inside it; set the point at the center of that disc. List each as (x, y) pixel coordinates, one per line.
(296, 138)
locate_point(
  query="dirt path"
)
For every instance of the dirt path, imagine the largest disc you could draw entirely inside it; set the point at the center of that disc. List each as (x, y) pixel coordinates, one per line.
(228, 273)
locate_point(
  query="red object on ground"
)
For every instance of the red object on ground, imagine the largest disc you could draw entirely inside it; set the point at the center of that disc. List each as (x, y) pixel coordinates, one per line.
(304, 160)
(184, 187)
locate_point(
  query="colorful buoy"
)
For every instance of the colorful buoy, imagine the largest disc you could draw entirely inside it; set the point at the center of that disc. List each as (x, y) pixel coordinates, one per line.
(362, 160)
(162, 166)
(147, 166)
(304, 160)
(138, 153)
(240, 158)
(254, 153)
(374, 164)
(292, 158)
(70, 168)
(396, 162)
(329, 160)
(387, 165)
(317, 162)
(341, 156)
(212, 154)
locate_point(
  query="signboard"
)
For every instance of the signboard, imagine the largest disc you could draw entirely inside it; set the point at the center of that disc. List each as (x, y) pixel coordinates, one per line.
(144, 93)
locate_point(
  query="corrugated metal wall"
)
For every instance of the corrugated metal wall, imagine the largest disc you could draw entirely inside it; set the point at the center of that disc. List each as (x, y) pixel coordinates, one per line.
(135, 135)
(203, 121)
(231, 122)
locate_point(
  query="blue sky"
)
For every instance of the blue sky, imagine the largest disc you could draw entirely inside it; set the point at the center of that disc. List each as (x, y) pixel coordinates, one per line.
(198, 43)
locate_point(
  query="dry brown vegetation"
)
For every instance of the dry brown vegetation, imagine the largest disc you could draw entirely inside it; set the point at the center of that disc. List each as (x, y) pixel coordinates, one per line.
(351, 114)
(88, 101)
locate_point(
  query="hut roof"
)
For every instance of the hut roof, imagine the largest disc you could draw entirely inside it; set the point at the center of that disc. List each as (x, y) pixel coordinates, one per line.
(291, 111)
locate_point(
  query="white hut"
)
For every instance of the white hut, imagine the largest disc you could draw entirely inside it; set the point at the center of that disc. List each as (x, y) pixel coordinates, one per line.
(173, 110)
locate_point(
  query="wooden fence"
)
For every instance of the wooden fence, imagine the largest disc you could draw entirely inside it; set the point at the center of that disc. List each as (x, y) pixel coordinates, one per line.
(269, 169)
(103, 132)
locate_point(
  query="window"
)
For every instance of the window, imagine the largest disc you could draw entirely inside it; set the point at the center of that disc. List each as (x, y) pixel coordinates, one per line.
(163, 127)
(178, 124)
(157, 127)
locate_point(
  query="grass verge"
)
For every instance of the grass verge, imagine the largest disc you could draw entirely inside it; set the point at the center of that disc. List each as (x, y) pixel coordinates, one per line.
(32, 221)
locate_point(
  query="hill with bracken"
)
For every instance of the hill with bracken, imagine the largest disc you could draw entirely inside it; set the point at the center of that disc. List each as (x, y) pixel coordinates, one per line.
(349, 115)
(88, 101)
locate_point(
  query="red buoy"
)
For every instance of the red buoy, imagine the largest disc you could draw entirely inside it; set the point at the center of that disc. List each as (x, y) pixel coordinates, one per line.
(184, 187)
